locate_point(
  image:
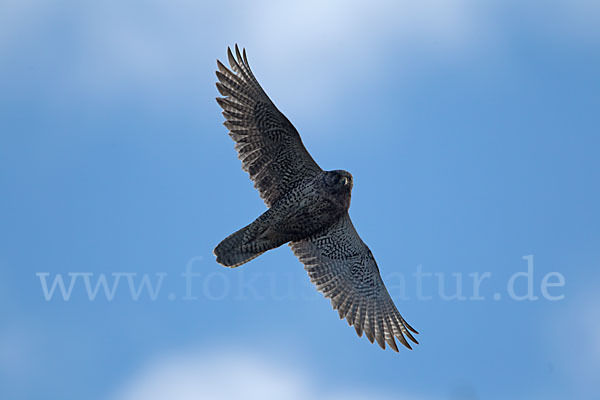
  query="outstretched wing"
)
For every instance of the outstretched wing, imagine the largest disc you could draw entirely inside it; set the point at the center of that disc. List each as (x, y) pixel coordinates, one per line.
(341, 265)
(267, 143)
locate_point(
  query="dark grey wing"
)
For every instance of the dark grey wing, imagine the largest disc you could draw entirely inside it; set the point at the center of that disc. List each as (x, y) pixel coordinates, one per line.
(267, 143)
(341, 265)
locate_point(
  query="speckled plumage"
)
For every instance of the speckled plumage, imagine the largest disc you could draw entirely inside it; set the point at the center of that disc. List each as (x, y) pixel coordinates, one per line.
(308, 208)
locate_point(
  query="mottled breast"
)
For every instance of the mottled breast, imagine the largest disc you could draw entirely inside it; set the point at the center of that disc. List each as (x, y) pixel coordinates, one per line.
(313, 205)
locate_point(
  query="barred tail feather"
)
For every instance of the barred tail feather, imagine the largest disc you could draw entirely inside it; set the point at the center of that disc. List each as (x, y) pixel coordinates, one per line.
(231, 253)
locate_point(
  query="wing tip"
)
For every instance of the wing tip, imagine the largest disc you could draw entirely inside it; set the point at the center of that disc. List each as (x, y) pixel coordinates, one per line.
(240, 58)
(230, 57)
(222, 90)
(359, 330)
(411, 337)
(381, 339)
(410, 328)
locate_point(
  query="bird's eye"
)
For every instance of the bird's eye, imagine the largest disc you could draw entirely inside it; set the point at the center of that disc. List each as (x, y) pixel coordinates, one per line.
(344, 181)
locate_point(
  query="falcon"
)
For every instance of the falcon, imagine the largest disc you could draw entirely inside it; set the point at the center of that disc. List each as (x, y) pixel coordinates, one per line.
(307, 208)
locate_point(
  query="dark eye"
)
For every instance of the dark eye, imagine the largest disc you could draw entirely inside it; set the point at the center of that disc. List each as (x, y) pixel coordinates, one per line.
(344, 181)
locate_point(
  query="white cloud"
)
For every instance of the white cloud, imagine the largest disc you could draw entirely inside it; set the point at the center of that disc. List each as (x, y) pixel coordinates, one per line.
(309, 27)
(297, 48)
(200, 376)
(321, 44)
(222, 374)
(16, 18)
(18, 350)
(329, 47)
(572, 338)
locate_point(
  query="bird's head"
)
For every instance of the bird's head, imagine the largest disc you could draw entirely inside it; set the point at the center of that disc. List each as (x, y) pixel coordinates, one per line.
(339, 181)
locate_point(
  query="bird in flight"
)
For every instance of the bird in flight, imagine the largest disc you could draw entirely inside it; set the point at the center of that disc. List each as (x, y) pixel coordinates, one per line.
(307, 208)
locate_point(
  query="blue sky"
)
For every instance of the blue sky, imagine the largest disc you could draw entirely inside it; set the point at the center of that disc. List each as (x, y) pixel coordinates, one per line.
(471, 129)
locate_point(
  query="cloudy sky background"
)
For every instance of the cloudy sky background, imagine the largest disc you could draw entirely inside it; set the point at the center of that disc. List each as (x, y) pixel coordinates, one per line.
(471, 129)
